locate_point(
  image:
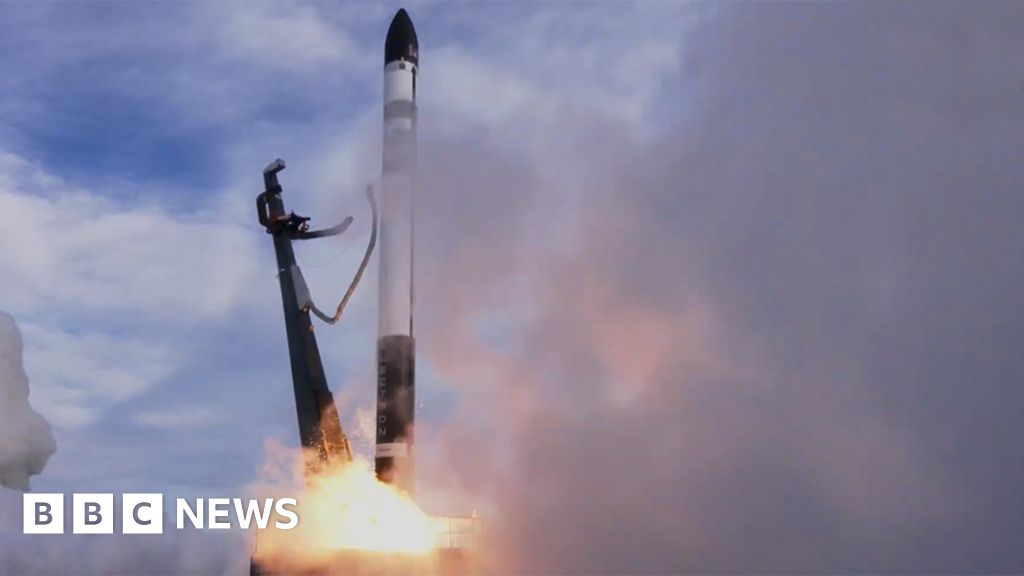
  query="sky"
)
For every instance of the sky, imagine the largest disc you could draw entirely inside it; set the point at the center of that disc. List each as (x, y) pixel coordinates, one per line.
(701, 287)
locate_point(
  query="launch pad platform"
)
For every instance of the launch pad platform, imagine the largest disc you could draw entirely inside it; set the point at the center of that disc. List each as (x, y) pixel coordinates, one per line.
(456, 552)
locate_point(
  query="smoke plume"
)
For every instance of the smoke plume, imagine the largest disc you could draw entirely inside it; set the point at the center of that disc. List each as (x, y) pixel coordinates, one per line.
(26, 442)
(780, 338)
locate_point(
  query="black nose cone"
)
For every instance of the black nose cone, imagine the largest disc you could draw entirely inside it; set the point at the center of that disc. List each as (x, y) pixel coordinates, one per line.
(401, 43)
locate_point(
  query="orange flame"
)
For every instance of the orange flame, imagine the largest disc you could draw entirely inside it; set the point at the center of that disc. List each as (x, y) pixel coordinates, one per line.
(345, 508)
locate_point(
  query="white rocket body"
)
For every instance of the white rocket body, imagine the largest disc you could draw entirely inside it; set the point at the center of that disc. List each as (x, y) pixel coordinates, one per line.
(396, 348)
(395, 313)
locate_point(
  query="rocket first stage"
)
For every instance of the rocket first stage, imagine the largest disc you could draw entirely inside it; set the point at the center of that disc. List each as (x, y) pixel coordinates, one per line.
(396, 348)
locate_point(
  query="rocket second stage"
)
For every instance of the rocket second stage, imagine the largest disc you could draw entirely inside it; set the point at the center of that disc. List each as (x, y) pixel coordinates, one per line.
(396, 348)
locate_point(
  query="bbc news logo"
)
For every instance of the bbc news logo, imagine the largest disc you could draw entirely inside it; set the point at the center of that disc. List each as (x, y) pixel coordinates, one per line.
(143, 513)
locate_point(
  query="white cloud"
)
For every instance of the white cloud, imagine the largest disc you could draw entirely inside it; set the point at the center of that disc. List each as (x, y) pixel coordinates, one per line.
(207, 66)
(74, 250)
(98, 284)
(178, 418)
(281, 36)
(76, 376)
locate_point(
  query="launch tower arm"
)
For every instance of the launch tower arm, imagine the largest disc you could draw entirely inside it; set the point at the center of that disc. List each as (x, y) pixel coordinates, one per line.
(320, 428)
(324, 233)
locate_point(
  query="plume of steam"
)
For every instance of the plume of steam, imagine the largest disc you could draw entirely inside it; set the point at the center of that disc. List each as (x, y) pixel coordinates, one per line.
(26, 441)
(780, 338)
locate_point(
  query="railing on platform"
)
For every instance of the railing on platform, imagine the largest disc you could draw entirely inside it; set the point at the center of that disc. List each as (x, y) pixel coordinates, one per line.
(456, 532)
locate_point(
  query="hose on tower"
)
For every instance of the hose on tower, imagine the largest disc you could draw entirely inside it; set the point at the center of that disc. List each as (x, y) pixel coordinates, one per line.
(359, 273)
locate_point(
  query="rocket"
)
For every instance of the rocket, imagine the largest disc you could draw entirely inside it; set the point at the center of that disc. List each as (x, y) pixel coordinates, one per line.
(396, 347)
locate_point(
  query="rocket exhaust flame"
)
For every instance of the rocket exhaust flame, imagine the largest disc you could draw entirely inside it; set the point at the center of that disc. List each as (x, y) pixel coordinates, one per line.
(349, 521)
(345, 507)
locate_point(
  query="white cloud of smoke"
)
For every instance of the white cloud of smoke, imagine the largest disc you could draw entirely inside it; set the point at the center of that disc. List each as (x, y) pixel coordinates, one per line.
(775, 339)
(26, 442)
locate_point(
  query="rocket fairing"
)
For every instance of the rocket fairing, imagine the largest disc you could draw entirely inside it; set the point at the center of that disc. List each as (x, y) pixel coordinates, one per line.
(396, 347)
